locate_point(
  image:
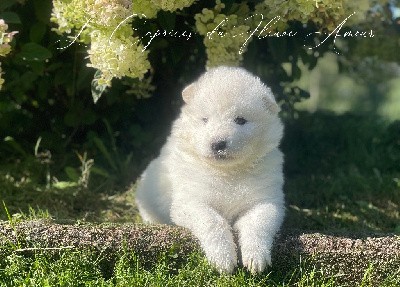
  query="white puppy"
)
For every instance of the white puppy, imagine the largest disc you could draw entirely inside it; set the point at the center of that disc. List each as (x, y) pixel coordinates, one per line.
(220, 172)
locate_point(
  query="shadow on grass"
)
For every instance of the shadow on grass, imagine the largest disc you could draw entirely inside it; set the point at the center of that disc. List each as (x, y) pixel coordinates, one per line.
(342, 172)
(29, 200)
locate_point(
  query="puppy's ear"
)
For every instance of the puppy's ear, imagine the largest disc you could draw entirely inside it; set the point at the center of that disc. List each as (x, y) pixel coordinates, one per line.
(271, 105)
(188, 92)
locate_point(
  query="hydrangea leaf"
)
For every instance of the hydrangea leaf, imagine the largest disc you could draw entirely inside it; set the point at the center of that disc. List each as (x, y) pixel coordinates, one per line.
(97, 88)
(34, 52)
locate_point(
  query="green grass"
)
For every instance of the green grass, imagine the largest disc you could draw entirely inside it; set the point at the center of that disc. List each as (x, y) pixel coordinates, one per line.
(81, 268)
(342, 173)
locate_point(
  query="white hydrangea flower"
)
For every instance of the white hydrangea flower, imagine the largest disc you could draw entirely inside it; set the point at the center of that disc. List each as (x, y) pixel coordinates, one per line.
(108, 13)
(5, 38)
(117, 57)
(106, 24)
(225, 36)
(172, 5)
(5, 48)
(1, 79)
(149, 8)
(69, 15)
(327, 14)
(146, 8)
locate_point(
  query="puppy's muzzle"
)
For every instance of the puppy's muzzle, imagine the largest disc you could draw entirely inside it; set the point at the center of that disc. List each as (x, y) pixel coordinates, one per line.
(219, 148)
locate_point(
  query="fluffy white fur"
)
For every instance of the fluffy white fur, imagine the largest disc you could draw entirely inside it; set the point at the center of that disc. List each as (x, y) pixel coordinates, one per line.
(220, 172)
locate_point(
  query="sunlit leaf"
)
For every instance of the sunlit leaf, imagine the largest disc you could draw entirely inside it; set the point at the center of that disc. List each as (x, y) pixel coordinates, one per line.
(97, 89)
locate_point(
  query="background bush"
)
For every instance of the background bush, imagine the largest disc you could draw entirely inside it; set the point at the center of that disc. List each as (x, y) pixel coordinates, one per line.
(47, 93)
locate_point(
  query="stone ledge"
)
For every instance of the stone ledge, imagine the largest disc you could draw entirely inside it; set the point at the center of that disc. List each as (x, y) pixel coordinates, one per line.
(345, 256)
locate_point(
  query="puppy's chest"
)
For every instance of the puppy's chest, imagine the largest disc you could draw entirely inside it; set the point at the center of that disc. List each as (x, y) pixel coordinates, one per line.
(231, 196)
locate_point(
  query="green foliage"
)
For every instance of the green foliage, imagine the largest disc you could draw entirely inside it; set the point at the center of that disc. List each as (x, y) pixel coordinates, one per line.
(97, 88)
(47, 95)
(33, 52)
(47, 79)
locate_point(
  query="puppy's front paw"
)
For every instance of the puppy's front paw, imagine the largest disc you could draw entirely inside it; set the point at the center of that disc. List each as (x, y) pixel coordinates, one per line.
(222, 256)
(255, 260)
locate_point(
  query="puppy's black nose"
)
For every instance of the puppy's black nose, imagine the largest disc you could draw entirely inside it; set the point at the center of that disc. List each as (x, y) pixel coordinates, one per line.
(218, 146)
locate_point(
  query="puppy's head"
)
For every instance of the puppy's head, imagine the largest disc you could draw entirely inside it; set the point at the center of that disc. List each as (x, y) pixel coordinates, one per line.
(230, 117)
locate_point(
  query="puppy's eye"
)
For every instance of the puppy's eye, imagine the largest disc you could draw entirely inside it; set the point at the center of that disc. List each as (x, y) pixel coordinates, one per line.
(240, 121)
(205, 120)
